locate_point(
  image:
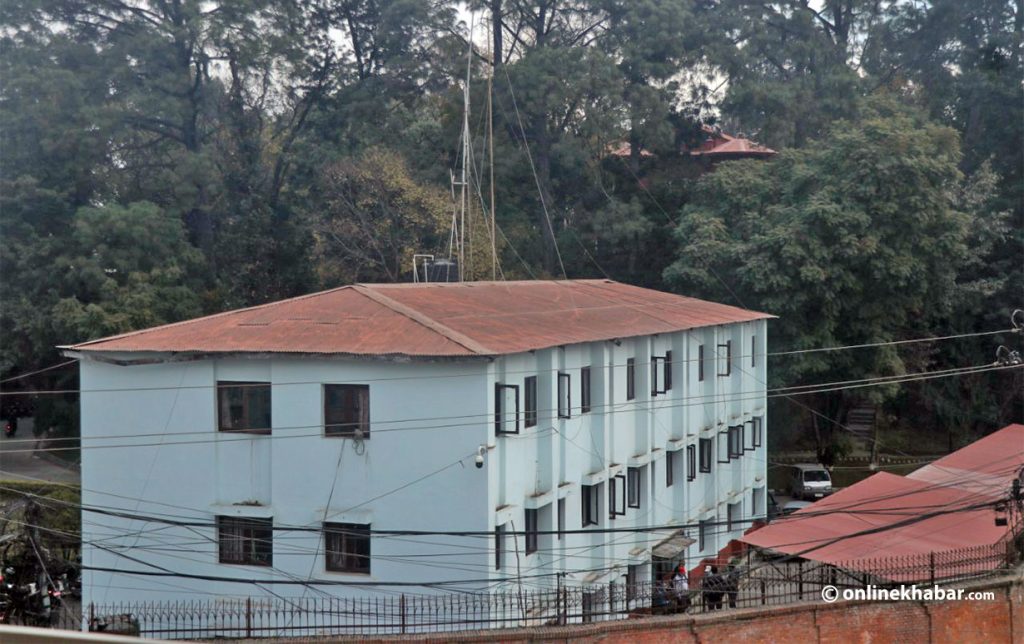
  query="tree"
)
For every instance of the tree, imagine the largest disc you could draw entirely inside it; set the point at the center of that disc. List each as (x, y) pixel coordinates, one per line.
(855, 239)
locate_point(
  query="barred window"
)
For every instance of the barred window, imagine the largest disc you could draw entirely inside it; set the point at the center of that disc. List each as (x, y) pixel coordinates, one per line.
(244, 540)
(347, 546)
(243, 407)
(347, 410)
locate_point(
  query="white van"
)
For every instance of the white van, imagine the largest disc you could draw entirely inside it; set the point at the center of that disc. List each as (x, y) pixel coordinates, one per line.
(809, 481)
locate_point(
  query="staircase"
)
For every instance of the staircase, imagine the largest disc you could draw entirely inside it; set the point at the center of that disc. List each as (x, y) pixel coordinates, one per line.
(861, 423)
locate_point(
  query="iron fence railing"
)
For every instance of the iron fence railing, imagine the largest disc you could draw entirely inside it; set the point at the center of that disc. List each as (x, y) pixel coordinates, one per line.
(753, 580)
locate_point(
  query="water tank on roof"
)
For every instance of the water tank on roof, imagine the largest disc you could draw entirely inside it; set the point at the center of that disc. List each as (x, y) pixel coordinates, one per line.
(442, 270)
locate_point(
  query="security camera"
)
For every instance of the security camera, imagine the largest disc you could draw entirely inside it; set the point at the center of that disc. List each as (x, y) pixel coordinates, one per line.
(479, 460)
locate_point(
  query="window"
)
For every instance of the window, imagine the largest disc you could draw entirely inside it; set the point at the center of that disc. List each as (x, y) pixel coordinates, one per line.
(668, 371)
(590, 500)
(753, 351)
(725, 358)
(657, 375)
(669, 467)
(630, 379)
(584, 390)
(723, 446)
(530, 415)
(506, 409)
(702, 535)
(347, 410)
(691, 462)
(244, 540)
(700, 363)
(243, 407)
(632, 582)
(564, 395)
(733, 516)
(756, 502)
(757, 430)
(531, 531)
(499, 544)
(705, 454)
(735, 441)
(633, 487)
(561, 518)
(748, 436)
(347, 546)
(617, 496)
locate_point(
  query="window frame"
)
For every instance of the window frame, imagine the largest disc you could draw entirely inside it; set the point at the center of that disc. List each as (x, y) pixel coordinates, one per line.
(560, 517)
(246, 386)
(700, 363)
(722, 445)
(499, 545)
(729, 519)
(691, 462)
(705, 451)
(657, 375)
(564, 395)
(735, 441)
(530, 401)
(702, 527)
(499, 412)
(753, 350)
(728, 359)
(347, 532)
(254, 533)
(668, 371)
(531, 540)
(748, 436)
(633, 487)
(590, 502)
(758, 423)
(669, 469)
(346, 432)
(617, 496)
(585, 390)
(631, 379)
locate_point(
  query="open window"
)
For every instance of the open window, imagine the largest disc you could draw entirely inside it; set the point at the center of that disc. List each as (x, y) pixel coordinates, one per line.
(506, 409)
(633, 487)
(723, 446)
(757, 428)
(617, 496)
(725, 358)
(691, 462)
(584, 390)
(668, 371)
(564, 395)
(530, 401)
(735, 441)
(705, 446)
(657, 375)
(748, 436)
(591, 502)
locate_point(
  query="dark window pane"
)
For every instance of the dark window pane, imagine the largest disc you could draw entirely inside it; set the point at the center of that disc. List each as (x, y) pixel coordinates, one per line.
(243, 406)
(630, 379)
(347, 547)
(243, 540)
(530, 415)
(584, 390)
(347, 410)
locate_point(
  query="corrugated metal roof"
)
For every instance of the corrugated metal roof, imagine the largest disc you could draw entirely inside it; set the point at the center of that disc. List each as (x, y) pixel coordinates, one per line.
(437, 320)
(973, 475)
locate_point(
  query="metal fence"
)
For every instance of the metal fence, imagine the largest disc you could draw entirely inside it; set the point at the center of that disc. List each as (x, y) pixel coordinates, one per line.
(752, 580)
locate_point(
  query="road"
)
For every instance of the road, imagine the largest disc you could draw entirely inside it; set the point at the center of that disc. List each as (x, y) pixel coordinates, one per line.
(18, 463)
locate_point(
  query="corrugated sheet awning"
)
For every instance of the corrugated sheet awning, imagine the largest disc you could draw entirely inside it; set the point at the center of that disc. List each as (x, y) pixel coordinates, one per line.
(672, 547)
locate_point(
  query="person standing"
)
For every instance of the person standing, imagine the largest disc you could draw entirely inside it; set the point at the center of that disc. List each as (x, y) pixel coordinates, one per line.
(681, 588)
(731, 584)
(711, 586)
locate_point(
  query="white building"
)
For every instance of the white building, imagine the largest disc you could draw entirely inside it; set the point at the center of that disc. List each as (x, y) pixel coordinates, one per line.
(242, 446)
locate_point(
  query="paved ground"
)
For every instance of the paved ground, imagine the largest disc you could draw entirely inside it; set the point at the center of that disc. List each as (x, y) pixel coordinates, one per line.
(18, 462)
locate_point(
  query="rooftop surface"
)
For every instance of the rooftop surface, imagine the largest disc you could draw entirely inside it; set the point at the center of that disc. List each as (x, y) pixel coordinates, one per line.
(434, 320)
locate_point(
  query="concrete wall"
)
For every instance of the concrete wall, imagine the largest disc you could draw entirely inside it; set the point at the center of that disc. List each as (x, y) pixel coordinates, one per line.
(170, 461)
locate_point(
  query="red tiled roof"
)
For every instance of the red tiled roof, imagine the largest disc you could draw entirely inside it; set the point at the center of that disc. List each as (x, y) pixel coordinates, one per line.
(454, 319)
(722, 145)
(976, 474)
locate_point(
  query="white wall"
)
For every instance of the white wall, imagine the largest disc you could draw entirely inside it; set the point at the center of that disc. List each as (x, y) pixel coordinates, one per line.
(424, 417)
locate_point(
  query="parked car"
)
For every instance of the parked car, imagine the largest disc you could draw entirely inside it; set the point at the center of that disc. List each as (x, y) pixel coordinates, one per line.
(809, 481)
(792, 506)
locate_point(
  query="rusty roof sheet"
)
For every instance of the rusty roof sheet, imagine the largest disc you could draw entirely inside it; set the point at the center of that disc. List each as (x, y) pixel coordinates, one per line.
(434, 320)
